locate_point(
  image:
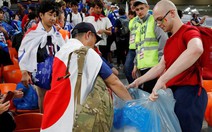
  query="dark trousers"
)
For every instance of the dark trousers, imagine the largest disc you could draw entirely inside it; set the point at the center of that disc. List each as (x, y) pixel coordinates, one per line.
(122, 49)
(190, 107)
(129, 64)
(149, 85)
(110, 40)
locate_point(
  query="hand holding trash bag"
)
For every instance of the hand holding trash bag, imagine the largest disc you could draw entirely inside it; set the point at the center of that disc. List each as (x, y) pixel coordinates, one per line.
(159, 85)
(143, 115)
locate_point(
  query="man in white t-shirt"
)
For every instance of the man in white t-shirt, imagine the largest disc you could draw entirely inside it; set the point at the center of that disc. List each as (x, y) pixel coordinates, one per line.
(75, 17)
(101, 24)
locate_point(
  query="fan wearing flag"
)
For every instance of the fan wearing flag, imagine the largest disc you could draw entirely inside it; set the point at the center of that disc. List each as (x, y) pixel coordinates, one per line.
(59, 104)
(37, 50)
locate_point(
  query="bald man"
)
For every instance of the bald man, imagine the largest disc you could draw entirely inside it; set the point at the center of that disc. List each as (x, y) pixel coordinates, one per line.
(179, 62)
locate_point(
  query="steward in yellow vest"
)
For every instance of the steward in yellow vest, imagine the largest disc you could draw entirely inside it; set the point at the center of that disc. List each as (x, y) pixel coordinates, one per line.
(149, 41)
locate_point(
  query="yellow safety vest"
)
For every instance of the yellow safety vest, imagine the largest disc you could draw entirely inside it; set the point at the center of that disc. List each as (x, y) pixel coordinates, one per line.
(133, 25)
(147, 44)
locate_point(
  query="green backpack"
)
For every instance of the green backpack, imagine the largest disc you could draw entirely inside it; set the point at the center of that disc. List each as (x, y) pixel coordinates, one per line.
(96, 113)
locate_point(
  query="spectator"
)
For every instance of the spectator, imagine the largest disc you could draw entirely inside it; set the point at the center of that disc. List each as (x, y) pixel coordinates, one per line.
(7, 123)
(4, 52)
(122, 40)
(60, 21)
(16, 23)
(113, 16)
(33, 20)
(102, 25)
(84, 34)
(131, 15)
(75, 16)
(7, 12)
(22, 10)
(38, 48)
(196, 21)
(25, 18)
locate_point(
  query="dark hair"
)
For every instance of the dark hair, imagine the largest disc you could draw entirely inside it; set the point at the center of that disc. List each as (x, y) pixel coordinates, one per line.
(113, 3)
(13, 16)
(74, 3)
(194, 15)
(1, 10)
(46, 6)
(121, 11)
(98, 3)
(132, 13)
(5, 3)
(32, 15)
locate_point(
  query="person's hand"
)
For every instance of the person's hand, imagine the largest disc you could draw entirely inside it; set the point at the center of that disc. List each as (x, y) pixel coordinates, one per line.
(134, 84)
(26, 79)
(18, 93)
(3, 29)
(4, 107)
(134, 71)
(101, 31)
(159, 85)
(202, 20)
(154, 95)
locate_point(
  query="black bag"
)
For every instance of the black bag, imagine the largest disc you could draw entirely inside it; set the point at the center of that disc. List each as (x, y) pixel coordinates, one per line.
(124, 29)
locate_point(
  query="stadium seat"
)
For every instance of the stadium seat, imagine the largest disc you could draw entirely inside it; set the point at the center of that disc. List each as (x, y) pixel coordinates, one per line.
(12, 76)
(13, 53)
(208, 111)
(28, 122)
(10, 67)
(5, 87)
(207, 84)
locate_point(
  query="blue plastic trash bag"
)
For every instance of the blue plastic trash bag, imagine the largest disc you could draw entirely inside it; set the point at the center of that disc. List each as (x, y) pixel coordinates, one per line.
(30, 99)
(143, 115)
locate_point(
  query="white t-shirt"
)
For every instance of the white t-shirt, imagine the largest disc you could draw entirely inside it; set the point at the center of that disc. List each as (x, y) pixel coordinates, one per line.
(104, 23)
(77, 18)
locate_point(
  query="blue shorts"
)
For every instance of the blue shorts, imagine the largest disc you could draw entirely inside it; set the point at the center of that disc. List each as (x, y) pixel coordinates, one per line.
(190, 107)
